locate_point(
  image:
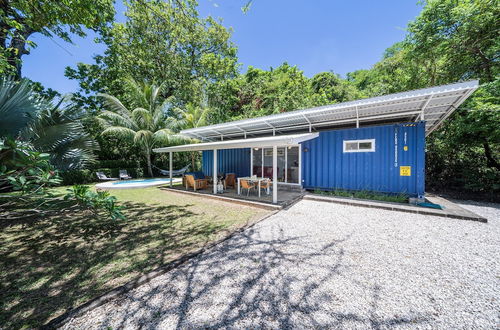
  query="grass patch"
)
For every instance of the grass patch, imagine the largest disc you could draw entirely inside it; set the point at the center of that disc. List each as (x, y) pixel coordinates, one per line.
(370, 195)
(53, 263)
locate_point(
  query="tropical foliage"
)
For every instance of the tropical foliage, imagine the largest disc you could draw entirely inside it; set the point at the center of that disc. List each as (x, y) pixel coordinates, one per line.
(48, 128)
(21, 19)
(94, 201)
(145, 125)
(161, 41)
(18, 105)
(168, 44)
(58, 130)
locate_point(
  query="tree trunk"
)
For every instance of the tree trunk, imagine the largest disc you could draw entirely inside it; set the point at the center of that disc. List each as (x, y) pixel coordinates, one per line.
(18, 46)
(491, 161)
(150, 169)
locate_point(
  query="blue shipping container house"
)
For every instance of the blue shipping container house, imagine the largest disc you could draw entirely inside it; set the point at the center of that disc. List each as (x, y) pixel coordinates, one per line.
(375, 144)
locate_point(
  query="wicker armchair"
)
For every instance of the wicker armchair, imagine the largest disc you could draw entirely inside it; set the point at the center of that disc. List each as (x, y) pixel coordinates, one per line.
(195, 183)
(230, 180)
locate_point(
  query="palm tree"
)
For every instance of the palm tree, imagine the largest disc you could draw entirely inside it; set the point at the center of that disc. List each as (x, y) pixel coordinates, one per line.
(18, 105)
(59, 131)
(191, 116)
(48, 128)
(145, 125)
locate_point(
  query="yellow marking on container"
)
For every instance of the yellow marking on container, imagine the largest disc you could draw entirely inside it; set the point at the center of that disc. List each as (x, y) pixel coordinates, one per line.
(405, 148)
(405, 170)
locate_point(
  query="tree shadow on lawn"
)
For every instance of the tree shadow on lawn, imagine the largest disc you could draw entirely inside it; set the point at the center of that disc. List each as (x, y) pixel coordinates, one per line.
(250, 282)
(58, 262)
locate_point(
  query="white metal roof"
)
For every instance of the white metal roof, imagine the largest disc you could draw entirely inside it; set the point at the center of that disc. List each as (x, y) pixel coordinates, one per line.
(261, 142)
(433, 105)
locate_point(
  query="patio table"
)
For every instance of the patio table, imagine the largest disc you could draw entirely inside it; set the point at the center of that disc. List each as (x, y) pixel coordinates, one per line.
(254, 179)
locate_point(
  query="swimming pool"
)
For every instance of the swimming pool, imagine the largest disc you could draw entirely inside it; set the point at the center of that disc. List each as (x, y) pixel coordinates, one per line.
(138, 183)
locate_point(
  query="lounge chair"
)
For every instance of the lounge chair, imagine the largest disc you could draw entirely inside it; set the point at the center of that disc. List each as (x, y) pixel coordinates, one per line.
(124, 175)
(245, 184)
(191, 181)
(174, 172)
(101, 176)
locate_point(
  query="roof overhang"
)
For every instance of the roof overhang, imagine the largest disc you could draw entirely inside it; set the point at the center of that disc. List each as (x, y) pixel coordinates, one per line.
(261, 142)
(433, 105)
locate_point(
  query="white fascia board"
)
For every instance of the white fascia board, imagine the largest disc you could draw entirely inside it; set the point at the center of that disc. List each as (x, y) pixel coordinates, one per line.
(262, 142)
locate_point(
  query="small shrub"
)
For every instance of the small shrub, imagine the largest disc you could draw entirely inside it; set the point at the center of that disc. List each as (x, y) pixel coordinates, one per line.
(72, 177)
(85, 198)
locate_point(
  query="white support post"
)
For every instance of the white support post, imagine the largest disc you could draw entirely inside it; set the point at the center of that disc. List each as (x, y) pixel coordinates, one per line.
(214, 172)
(286, 164)
(170, 156)
(275, 175)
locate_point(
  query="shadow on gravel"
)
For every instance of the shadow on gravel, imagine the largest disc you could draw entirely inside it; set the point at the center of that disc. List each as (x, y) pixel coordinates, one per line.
(262, 291)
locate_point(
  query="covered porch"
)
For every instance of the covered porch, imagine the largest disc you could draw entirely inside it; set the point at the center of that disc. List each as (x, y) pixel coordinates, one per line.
(280, 192)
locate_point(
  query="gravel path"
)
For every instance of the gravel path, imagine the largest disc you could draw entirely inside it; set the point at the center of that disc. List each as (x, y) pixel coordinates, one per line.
(327, 265)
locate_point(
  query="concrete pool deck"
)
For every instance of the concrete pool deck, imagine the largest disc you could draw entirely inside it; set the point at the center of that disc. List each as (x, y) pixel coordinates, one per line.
(135, 183)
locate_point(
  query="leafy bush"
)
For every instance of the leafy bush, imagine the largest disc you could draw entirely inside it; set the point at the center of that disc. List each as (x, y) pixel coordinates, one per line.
(24, 169)
(95, 201)
(72, 177)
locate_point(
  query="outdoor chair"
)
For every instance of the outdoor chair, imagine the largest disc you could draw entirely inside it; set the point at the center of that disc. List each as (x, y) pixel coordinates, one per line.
(124, 175)
(266, 185)
(230, 180)
(101, 176)
(196, 184)
(245, 184)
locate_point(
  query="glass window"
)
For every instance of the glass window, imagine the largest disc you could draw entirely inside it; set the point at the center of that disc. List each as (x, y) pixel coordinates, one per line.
(292, 167)
(288, 163)
(257, 162)
(359, 145)
(268, 163)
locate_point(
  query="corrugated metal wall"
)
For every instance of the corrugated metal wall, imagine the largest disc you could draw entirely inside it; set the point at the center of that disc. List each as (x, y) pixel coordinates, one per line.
(228, 161)
(325, 166)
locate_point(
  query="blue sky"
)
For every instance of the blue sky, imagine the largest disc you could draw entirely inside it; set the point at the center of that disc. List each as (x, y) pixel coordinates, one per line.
(317, 36)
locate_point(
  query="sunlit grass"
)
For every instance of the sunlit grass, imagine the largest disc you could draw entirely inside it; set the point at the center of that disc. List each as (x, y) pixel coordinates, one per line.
(52, 263)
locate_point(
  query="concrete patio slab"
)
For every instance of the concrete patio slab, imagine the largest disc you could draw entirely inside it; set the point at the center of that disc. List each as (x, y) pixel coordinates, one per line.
(450, 210)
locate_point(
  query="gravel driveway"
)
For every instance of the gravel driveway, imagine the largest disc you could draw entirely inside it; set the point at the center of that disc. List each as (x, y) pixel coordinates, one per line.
(327, 265)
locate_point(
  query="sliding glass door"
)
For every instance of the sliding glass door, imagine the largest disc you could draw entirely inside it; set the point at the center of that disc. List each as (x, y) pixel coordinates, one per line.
(288, 163)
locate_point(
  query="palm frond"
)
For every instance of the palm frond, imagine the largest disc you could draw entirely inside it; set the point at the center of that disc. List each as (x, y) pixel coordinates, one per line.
(120, 132)
(143, 118)
(144, 138)
(58, 131)
(18, 106)
(166, 137)
(109, 118)
(115, 105)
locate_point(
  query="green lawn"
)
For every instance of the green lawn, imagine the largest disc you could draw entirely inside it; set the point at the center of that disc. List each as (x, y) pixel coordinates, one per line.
(51, 264)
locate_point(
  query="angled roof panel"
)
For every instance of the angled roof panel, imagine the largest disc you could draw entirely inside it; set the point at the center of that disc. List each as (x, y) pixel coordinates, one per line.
(433, 104)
